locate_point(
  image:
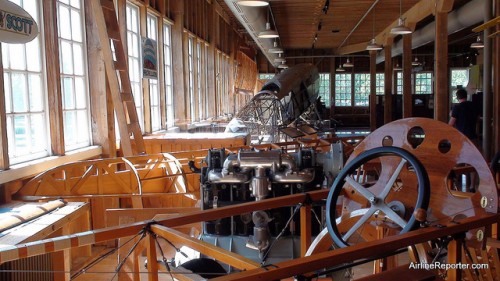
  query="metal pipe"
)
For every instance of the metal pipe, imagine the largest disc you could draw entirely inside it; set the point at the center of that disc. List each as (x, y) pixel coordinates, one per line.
(299, 177)
(357, 24)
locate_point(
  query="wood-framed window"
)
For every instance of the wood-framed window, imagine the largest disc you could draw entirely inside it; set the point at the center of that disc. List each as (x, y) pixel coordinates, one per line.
(379, 88)
(361, 89)
(73, 70)
(324, 88)
(154, 91)
(343, 89)
(423, 83)
(26, 95)
(399, 82)
(134, 58)
(199, 87)
(168, 74)
(459, 77)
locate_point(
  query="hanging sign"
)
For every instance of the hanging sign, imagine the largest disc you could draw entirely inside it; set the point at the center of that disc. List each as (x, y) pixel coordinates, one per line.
(16, 25)
(149, 59)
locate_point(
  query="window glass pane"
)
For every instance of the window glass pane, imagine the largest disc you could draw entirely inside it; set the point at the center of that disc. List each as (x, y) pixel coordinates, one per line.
(66, 57)
(18, 57)
(64, 22)
(80, 93)
(83, 126)
(76, 25)
(67, 88)
(8, 101)
(33, 56)
(38, 132)
(78, 59)
(19, 92)
(70, 129)
(5, 56)
(35, 90)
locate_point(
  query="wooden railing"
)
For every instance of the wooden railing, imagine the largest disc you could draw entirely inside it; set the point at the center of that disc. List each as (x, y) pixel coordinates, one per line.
(453, 230)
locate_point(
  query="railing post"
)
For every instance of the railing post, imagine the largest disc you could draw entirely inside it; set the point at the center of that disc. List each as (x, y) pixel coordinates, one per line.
(151, 255)
(455, 257)
(305, 228)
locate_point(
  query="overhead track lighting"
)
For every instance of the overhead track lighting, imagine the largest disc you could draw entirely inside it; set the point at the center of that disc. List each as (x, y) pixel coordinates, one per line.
(275, 49)
(253, 3)
(401, 28)
(478, 44)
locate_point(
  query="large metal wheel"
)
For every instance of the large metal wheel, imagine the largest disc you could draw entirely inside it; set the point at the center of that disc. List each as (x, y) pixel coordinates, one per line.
(382, 201)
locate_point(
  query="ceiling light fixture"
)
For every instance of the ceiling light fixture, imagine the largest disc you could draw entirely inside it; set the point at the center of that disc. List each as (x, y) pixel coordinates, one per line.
(253, 3)
(348, 63)
(283, 65)
(397, 67)
(279, 59)
(478, 44)
(415, 62)
(401, 28)
(373, 46)
(340, 68)
(268, 33)
(275, 49)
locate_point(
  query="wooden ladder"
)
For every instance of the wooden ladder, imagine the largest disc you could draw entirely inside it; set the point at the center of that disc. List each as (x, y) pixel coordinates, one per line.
(118, 76)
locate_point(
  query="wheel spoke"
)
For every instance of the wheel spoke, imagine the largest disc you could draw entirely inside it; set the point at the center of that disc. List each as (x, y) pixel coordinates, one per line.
(358, 224)
(359, 188)
(393, 178)
(392, 215)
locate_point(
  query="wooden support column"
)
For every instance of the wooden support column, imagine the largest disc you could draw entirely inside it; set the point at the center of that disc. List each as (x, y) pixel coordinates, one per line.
(4, 153)
(53, 77)
(178, 61)
(487, 83)
(455, 257)
(388, 84)
(407, 85)
(61, 260)
(496, 85)
(441, 89)
(373, 90)
(305, 229)
(102, 109)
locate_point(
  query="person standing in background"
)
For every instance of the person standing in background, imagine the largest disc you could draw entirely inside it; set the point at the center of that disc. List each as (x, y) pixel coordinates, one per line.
(464, 116)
